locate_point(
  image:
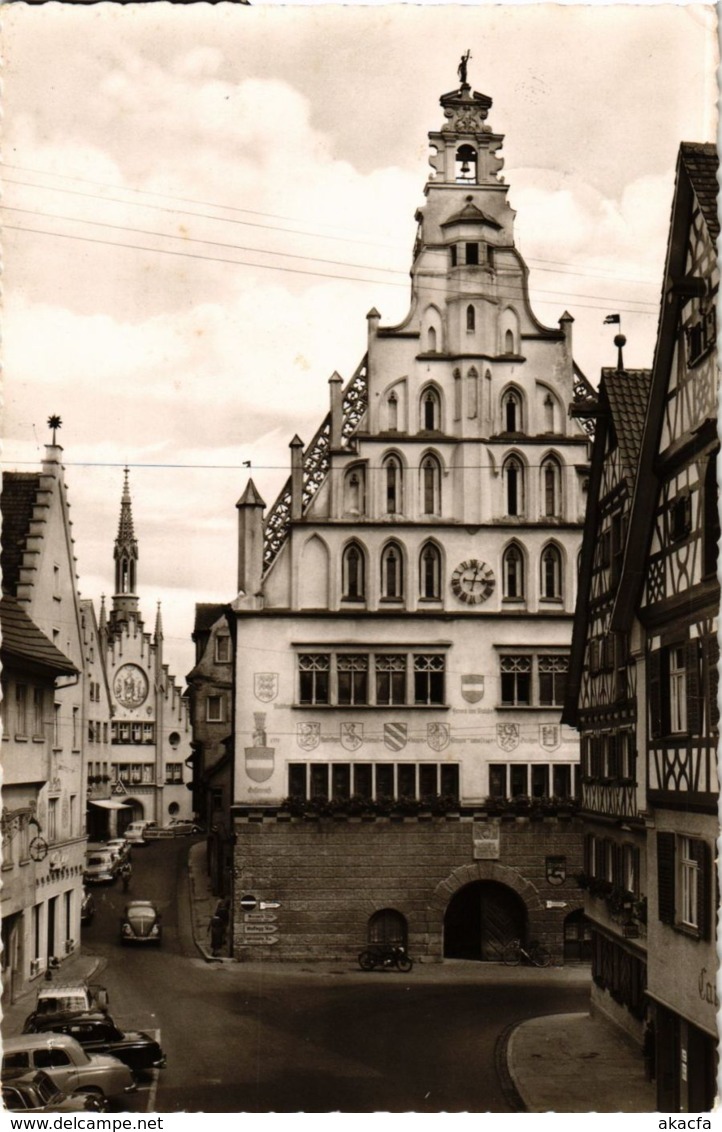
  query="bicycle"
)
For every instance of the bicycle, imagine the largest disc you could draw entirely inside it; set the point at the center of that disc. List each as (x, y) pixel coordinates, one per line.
(536, 955)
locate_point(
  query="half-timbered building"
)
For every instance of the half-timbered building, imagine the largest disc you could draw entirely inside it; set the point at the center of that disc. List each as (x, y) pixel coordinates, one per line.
(602, 703)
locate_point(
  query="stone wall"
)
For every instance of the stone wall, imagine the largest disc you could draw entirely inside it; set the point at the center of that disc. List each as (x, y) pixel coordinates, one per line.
(329, 875)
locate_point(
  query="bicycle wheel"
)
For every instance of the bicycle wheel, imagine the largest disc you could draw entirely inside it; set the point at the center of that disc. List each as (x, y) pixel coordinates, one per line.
(511, 955)
(367, 960)
(541, 957)
(404, 962)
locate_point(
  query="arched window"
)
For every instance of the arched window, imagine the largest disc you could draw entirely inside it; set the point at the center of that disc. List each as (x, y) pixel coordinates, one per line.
(392, 572)
(430, 486)
(431, 340)
(551, 572)
(354, 582)
(551, 488)
(509, 342)
(393, 414)
(430, 410)
(430, 571)
(513, 571)
(472, 393)
(354, 493)
(512, 412)
(470, 318)
(514, 486)
(387, 928)
(393, 485)
(549, 413)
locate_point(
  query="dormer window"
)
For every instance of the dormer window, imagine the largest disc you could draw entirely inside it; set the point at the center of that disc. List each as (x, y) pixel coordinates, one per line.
(465, 165)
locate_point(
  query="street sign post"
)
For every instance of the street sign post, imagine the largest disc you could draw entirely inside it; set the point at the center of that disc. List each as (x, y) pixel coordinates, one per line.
(259, 917)
(263, 904)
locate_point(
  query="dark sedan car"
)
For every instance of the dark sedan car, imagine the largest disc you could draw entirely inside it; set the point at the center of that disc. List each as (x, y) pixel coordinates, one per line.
(39, 1093)
(141, 923)
(98, 1033)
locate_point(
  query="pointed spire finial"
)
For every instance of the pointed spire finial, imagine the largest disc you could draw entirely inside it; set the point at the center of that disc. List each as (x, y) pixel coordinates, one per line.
(158, 624)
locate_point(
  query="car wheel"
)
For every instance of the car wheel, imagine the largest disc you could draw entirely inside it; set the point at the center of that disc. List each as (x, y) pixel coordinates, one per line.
(98, 1096)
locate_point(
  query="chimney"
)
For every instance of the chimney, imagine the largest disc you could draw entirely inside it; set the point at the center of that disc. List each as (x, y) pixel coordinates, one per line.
(565, 325)
(336, 391)
(296, 447)
(250, 540)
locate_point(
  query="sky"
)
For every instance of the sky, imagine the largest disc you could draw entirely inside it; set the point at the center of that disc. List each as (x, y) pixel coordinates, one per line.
(202, 203)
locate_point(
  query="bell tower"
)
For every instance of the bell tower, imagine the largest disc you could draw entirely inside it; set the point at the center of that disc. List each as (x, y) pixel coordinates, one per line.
(125, 553)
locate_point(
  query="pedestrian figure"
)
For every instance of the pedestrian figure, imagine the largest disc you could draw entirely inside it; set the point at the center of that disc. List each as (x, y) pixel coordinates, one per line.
(217, 930)
(126, 872)
(223, 910)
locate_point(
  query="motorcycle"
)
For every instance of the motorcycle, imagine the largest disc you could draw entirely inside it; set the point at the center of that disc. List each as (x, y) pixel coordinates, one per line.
(380, 956)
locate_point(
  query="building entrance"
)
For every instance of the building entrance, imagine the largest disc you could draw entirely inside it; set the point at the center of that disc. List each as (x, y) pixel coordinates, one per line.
(481, 919)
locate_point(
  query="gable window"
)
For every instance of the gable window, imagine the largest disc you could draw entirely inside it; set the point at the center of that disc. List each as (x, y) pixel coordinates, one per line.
(514, 485)
(353, 573)
(512, 413)
(430, 486)
(393, 486)
(551, 572)
(551, 485)
(214, 709)
(430, 571)
(392, 581)
(430, 410)
(314, 670)
(223, 649)
(513, 572)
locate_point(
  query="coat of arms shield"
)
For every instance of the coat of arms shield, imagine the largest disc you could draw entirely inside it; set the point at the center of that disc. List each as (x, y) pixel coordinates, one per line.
(352, 736)
(265, 686)
(438, 735)
(308, 735)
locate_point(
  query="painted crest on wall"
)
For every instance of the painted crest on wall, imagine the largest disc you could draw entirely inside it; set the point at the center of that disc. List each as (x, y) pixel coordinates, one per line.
(352, 736)
(556, 868)
(130, 686)
(438, 735)
(549, 736)
(395, 736)
(507, 736)
(265, 686)
(308, 735)
(472, 688)
(260, 758)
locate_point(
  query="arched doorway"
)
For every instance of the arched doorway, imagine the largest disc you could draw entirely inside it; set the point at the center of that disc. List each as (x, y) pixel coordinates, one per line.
(480, 919)
(577, 936)
(133, 810)
(387, 928)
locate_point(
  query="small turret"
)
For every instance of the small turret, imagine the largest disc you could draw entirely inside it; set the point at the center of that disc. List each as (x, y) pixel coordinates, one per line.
(250, 540)
(296, 447)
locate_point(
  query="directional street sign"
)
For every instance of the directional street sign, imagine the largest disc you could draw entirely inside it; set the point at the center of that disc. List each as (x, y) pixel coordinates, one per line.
(248, 903)
(259, 929)
(261, 940)
(263, 904)
(260, 917)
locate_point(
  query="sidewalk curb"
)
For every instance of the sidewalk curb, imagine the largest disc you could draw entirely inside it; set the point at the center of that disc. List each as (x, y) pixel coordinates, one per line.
(201, 948)
(503, 1059)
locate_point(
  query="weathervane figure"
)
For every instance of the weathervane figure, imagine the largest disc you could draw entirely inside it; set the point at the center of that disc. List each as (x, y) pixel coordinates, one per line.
(54, 423)
(462, 67)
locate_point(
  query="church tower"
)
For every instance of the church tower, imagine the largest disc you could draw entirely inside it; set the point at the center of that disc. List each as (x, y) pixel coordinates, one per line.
(418, 579)
(125, 554)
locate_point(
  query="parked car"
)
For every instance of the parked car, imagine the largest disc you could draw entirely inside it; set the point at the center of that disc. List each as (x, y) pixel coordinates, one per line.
(98, 1033)
(184, 826)
(101, 867)
(119, 847)
(71, 997)
(67, 1064)
(39, 1093)
(134, 833)
(140, 923)
(87, 907)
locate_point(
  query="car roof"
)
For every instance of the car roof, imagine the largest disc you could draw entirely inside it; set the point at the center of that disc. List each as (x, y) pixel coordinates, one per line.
(32, 1041)
(54, 990)
(63, 1016)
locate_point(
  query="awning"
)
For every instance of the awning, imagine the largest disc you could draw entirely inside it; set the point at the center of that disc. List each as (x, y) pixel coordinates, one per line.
(110, 805)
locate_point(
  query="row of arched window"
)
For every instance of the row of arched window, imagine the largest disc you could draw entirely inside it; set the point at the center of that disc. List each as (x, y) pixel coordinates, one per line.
(514, 472)
(513, 408)
(393, 572)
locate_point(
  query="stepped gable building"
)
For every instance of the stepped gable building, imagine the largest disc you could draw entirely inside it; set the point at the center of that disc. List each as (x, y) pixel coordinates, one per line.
(102, 816)
(43, 821)
(150, 728)
(405, 612)
(669, 585)
(602, 702)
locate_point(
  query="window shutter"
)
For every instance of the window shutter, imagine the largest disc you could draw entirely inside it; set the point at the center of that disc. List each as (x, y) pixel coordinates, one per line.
(702, 855)
(665, 876)
(654, 672)
(694, 704)
(712, 657)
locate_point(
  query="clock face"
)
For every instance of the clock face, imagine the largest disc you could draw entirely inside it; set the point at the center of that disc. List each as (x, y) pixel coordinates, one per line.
(473, 581)
(130, 686)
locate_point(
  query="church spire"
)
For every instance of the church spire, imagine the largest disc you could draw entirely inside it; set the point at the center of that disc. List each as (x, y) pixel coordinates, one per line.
(125, 553)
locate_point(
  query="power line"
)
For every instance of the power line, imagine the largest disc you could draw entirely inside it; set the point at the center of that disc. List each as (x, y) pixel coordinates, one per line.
(319, 274)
